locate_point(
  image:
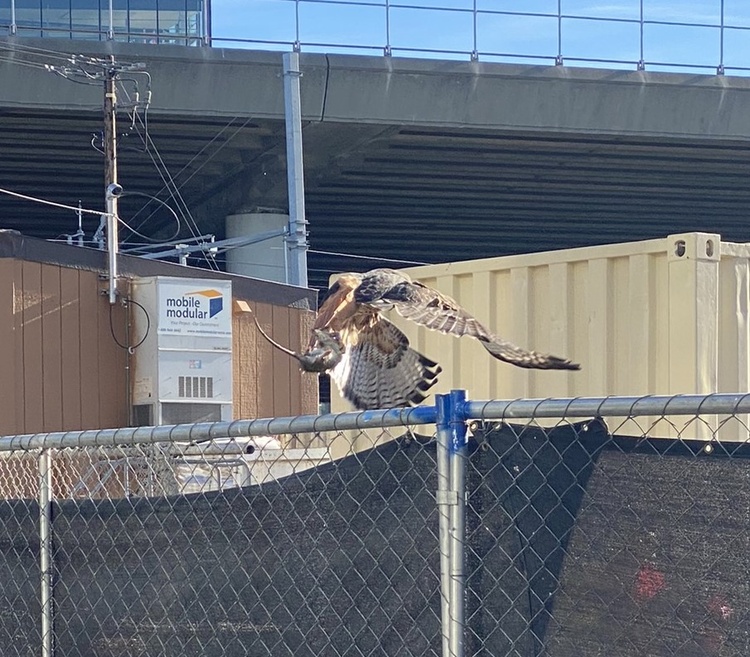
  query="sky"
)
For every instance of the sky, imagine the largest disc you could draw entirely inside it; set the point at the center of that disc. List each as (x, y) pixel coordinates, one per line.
(448, 25)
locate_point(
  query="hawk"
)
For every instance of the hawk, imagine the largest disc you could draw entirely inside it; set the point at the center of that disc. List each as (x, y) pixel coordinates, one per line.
(370, 359)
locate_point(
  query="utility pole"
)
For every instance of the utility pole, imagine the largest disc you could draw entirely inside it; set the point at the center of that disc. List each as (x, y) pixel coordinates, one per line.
(112, 189)
(90, 71)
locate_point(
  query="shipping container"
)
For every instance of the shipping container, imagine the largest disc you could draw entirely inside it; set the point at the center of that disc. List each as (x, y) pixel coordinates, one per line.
(662, 316)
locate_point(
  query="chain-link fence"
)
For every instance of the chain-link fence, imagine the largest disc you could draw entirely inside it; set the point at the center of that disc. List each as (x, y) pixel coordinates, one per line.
(576, 527)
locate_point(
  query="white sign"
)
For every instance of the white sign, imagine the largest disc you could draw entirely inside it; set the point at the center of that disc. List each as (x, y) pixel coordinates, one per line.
(195, 307)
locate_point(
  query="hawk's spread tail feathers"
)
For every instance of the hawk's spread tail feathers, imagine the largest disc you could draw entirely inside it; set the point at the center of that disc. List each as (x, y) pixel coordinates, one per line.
(380, 370)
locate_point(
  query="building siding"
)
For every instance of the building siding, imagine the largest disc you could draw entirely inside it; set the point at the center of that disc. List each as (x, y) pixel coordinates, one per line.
(63, 370)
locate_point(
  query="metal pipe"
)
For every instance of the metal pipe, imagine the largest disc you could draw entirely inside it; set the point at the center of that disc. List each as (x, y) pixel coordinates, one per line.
(128, 364)
(396, 417)
(297, 239)
(720, 67)
(719, 404)
(444, 502)
(45, 549)
(207, 28)
(387, 50)
(111, 28)
(559, 57)
(457, 463)
(474, 44)
(13, 24)
(641, 63)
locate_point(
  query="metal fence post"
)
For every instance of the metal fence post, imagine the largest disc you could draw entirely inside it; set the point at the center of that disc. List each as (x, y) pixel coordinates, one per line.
(45, 549)
(444, 501)
(451, 498)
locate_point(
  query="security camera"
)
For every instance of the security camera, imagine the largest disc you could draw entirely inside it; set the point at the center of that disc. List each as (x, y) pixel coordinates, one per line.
(114, 190)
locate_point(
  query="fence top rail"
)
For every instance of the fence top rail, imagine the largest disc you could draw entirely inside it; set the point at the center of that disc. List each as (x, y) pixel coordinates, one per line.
(204, 431)
(711, 404)
(574, 407)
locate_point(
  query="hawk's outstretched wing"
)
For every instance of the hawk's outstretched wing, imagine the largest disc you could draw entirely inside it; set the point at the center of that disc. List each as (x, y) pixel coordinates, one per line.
(439, 312)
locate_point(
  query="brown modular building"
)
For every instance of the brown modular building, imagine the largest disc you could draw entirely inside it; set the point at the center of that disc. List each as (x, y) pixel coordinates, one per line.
(64, 362)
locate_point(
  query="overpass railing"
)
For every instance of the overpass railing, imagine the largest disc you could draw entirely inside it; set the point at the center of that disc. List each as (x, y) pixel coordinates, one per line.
(709, 36)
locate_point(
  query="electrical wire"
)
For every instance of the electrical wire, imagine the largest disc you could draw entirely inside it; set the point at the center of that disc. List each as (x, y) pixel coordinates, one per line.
(93, 145)
(169, 182)
(20, 62)
(174, 192)
(26, 197)
(365, 257)
(88, 81)
(72, 67)
(146, 237)
(32, 50)
(130, 348)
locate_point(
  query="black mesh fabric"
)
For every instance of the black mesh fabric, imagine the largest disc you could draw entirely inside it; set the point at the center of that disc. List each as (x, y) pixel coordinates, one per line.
(338, 560)
(578, 544)
(20, 578)
(658, 561)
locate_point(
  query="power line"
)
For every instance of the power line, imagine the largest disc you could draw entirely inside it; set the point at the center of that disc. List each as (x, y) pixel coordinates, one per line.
(364, 257)
(168, 180)
(26, 197)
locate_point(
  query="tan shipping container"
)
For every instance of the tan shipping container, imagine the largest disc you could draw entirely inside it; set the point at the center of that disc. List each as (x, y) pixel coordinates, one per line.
(662, 316)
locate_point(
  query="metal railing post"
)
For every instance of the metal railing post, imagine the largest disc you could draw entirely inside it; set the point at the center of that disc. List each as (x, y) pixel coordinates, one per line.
(13, 24)
(45, 549)
(111, 21)
(451, 462)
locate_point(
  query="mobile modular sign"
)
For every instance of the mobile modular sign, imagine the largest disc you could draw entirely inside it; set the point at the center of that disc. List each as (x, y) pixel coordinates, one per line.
(188, 307)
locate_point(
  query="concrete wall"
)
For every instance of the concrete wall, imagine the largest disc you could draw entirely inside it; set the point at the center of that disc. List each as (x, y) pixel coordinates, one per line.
(401, 91)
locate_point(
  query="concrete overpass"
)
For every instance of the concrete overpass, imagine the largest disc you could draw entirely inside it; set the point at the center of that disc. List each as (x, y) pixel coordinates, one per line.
(417, 160)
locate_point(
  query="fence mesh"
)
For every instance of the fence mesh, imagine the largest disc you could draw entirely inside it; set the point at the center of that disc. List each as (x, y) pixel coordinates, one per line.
(608, 536)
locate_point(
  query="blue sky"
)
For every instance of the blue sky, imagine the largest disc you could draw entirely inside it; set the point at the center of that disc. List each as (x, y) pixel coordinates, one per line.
(441, 25)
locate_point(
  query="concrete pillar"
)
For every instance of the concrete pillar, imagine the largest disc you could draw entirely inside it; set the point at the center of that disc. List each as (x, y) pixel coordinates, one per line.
(266, 259)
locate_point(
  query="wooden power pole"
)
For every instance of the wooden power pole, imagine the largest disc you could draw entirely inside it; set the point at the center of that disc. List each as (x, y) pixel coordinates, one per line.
(112, 189)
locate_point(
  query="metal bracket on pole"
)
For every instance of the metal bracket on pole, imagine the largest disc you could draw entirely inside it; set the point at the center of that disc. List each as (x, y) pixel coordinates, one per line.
(451, 498)
(446, 497)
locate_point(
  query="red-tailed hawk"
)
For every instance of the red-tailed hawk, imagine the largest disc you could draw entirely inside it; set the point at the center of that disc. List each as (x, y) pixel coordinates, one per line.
(370, 359)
